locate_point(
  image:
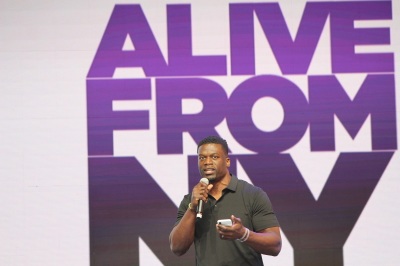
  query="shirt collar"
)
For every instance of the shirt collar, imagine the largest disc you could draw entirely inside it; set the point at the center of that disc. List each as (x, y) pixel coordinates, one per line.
(233, 183)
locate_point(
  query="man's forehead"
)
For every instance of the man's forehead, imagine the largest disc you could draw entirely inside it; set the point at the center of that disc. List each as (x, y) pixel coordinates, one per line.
(211, 147)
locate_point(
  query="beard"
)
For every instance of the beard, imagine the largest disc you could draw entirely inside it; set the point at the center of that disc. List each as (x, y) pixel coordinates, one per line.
(212, 179)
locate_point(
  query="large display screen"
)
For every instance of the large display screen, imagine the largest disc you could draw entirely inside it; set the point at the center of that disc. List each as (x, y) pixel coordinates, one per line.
(114, 97)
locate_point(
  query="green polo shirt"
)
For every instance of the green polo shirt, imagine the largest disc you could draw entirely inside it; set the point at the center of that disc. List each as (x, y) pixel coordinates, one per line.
(247, 202)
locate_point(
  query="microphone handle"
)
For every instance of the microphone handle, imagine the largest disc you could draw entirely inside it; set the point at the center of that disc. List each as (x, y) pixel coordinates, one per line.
(200, 204)
(199, 211)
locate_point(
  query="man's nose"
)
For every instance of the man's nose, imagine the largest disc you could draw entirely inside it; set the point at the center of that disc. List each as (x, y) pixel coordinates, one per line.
(208, 160)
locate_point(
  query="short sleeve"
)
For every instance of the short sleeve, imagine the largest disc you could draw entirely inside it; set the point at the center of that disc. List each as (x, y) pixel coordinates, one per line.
(182, 208)
(263, 215)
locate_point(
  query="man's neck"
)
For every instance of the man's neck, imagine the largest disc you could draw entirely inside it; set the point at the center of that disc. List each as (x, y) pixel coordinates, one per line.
(217, 188)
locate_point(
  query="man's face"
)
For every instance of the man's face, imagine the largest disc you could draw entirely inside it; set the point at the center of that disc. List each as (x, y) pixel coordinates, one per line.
(213, 162)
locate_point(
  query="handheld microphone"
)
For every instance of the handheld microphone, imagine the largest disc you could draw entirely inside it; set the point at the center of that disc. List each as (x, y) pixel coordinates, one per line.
(200, 205)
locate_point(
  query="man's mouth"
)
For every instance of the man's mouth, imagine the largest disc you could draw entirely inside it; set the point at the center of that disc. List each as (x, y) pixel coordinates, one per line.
(209, 171)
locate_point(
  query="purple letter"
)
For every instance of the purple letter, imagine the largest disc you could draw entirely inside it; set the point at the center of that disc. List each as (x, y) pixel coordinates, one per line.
(344, 37)
(128, 20)
(125, 204)
(180, 58)
(293, 56)
(376, 97)
(171, 123)
(102, 120)
(317, 229)
(241, 124)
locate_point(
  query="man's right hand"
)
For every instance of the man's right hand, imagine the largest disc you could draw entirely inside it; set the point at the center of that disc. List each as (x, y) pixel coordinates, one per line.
(200, 192)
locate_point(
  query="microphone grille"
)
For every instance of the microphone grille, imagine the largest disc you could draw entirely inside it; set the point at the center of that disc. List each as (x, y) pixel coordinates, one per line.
(204, 180)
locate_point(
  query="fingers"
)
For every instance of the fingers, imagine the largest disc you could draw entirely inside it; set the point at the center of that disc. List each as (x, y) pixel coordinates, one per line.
(225, 233)
(231, 232)
(235, 219)
(200, 192)
(223, 230)
(222, 234)
(202, 195)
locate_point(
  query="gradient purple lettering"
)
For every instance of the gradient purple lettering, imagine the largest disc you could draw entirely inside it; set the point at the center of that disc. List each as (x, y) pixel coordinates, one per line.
(344, 37)
(376, 97)
(102, 120)
(171, 123)
(128, 20)
(180, 58)
(125, 204)
(239, 114)
(317, 229)
(286, 51)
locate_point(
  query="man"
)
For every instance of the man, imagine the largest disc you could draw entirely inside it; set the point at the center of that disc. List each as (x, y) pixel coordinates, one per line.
(255, 229)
